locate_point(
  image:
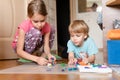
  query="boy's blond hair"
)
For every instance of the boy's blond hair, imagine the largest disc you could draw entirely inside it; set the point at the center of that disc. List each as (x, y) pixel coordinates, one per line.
(78, 26)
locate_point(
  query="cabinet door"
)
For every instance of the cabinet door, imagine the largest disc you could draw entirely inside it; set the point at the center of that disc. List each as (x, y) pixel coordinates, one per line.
(12, 12)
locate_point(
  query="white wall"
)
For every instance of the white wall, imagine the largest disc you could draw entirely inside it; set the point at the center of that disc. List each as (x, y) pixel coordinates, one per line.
(95, 32)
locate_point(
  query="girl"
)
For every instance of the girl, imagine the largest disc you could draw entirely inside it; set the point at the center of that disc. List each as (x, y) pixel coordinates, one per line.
(33, 33)
(80, 45)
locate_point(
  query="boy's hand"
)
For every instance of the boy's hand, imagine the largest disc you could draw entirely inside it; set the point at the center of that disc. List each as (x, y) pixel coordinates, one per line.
(85, 60)
(72, 61)
(42, 61)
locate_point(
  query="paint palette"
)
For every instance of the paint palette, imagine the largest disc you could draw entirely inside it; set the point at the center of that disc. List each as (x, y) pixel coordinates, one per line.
(94, 68)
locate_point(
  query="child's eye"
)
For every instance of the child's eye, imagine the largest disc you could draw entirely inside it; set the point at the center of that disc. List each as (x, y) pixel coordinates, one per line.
(72, 35)
(42, 20)
(78, 35)
(35, 21)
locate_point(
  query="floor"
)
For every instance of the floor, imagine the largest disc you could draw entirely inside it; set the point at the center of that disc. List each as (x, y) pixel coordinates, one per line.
(8, 63)
(11, 63)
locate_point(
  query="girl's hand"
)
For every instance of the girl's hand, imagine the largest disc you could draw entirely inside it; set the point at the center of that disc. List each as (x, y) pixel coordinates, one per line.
(42, 61)
(72, 61)
(51, 58)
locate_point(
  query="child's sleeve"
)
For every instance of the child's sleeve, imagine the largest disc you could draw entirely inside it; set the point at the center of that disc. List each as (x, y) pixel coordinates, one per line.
(92, 48)
(70, 46)
(25, 25)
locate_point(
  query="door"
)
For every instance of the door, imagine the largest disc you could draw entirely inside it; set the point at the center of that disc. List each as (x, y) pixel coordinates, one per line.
(63, 21)
(12, 12)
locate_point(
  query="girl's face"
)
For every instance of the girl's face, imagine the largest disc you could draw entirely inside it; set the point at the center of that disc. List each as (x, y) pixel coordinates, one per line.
(77, 38)
(38, 20)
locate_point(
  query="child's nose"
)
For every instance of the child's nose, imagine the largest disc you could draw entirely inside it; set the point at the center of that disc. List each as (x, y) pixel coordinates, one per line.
(39, 24)
(75, 38)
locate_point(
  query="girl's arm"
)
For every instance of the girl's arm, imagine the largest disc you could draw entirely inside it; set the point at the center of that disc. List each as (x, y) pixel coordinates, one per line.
(20, 46)
(47, 47)
(22, 53)
(46, 43)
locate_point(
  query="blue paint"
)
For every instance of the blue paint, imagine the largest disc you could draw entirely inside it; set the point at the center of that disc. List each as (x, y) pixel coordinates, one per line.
(72, 69)
(87, 67)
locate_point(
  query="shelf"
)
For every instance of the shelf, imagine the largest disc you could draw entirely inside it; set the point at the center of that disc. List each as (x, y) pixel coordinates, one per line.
(113, 2)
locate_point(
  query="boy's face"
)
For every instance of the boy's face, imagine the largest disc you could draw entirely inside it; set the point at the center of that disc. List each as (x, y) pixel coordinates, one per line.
(38, 20)
(77, 38)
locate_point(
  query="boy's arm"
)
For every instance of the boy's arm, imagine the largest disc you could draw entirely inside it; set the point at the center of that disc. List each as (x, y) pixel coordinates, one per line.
(70, 55)
(91, 58)
(71, 58)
